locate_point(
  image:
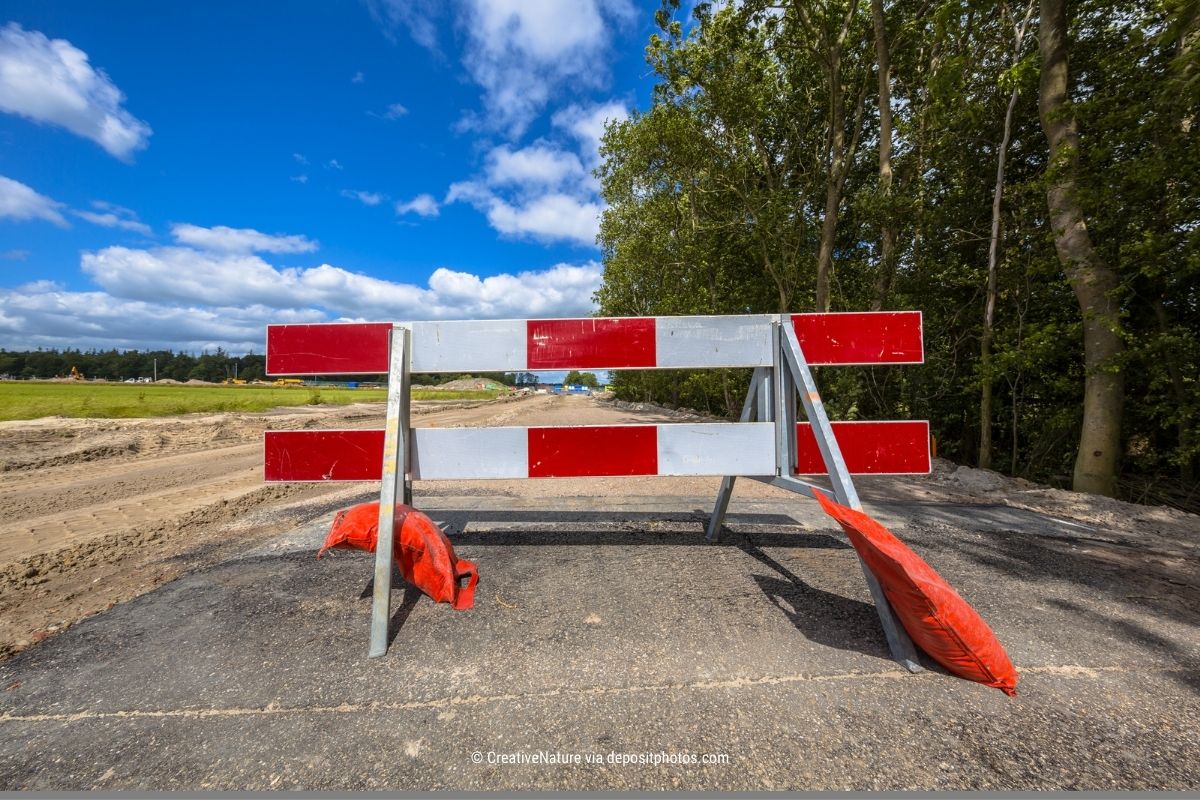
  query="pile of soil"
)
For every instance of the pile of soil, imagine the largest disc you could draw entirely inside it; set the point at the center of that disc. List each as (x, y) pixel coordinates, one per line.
(470, 384)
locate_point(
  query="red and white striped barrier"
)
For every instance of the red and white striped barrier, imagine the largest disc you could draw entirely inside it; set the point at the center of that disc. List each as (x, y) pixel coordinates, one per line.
(775, 448)
(879, 448)
(870, 448)
(356, 348)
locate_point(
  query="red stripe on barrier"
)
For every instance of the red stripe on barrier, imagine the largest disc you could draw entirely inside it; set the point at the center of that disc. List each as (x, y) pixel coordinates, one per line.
(880, 448)
(328, 349)
(323, 455)
(591, 343)
(890, 337)
(610, 450)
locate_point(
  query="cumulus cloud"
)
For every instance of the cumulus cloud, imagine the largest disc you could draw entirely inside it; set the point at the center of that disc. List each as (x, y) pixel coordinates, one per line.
(548, 217)
(185, 275)
(20, 202)
(540, 192)
(366, 198)
(240, 240)
(14, 255)
(423, 205)
(586, 124)
(522, 52)
(46, 315)
(108, 215)
(50, 81)
(536, 166)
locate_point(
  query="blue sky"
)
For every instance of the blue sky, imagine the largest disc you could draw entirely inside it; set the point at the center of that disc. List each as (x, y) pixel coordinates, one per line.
(180, 174)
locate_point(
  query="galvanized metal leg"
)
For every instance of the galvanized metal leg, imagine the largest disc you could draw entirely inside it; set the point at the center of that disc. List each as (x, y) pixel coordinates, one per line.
(899, 643)
(757, 381)
(395, 475)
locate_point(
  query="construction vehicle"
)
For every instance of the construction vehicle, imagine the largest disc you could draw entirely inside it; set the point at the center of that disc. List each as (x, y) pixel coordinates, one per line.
(76, 375)
(289, 382)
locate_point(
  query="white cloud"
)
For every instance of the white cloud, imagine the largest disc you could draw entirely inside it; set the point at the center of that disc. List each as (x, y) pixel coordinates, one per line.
(44, 315)
(538, 165)
(419, 17)
(423, 205)
(19, 202)
(109, 215)
(51, 81)
(522, 52)
(358, 77)
(240, 240)
(14, 255)
(549, 217)
(300, 159)
(299, 178)
(538, 192)
(586, 123)
(187, 276)
(182, 298)
(392, 112)
(333, 164)
(366, 198)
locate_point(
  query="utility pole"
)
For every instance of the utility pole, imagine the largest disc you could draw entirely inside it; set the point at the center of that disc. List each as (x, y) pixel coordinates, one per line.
(156, 370)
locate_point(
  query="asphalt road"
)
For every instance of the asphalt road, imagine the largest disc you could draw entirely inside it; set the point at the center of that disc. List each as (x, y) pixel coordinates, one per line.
(607, 631)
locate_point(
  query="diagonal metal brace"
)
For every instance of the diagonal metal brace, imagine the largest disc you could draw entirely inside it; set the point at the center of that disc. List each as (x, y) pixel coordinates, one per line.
(899, 643)
(758, 383)
(395, 475)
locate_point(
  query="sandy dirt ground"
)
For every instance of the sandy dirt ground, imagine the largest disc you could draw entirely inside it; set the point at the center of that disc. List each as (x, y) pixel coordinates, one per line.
(95, 512)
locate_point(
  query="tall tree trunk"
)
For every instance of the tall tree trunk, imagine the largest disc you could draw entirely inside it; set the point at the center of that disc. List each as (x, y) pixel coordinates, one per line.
(989, 309)
(887, 237)
(833, 194)
(1093, 282)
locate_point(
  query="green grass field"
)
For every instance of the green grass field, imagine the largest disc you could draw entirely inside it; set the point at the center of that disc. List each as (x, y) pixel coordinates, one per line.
(30, 400)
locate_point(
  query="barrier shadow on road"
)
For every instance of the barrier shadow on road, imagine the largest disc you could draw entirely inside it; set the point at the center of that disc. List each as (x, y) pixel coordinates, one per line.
(822, 617)
(625, 528)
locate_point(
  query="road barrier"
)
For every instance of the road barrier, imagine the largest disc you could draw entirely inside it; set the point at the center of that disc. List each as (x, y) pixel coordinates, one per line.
(769, 443)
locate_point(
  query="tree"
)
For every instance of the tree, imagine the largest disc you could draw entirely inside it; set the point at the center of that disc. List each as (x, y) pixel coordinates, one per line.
(582, 378)
(1094, 283)
(989, 314)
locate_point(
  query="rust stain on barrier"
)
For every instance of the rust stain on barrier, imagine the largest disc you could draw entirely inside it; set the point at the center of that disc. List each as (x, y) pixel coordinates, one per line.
(273, 709)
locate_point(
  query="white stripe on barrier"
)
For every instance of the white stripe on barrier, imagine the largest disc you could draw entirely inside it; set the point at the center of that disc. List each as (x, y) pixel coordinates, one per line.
(717, 449)
(730, 341)
(451, 453)
(470, 346)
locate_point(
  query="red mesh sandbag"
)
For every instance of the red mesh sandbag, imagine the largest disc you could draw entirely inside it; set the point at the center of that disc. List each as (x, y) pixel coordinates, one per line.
(423, 553)
(939, 621)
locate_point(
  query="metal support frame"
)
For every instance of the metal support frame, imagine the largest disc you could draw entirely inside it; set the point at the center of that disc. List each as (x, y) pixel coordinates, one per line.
(789, 373)
(396, 440)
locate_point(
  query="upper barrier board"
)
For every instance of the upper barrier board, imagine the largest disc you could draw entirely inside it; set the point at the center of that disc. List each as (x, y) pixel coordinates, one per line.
(600, 343)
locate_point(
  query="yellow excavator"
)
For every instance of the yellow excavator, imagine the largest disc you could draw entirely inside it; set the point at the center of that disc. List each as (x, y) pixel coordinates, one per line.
(76, 375)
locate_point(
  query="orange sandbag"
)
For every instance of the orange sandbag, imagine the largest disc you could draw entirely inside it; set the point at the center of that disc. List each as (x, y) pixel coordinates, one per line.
(939, 621)
(423, 553)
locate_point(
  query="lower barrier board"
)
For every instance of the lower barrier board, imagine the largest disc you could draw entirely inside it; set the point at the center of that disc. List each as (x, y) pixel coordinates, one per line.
(591, 450)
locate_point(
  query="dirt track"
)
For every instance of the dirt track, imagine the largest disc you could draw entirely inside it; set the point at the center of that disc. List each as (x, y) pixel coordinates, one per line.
(95, 512)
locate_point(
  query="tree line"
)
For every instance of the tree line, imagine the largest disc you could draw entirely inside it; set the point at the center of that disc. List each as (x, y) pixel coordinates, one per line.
(1025, 173)
(215, 367)
(119, 365)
